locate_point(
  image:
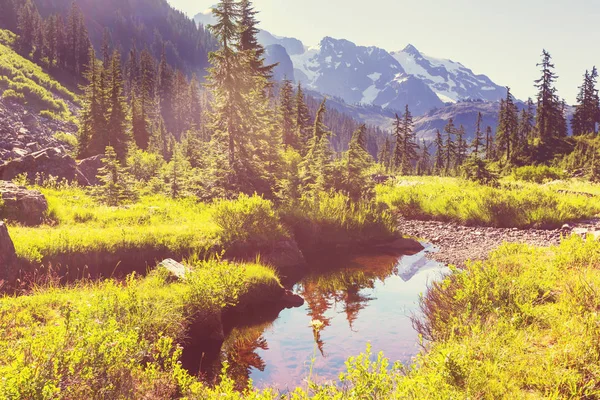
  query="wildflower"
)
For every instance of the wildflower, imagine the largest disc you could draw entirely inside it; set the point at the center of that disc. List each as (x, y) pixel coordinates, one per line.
(316, 324)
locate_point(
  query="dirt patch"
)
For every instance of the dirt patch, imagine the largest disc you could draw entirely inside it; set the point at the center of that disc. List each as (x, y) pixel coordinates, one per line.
(457, 244)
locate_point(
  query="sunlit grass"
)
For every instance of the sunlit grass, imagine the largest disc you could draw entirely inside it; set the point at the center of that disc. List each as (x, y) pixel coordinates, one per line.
(513, 204)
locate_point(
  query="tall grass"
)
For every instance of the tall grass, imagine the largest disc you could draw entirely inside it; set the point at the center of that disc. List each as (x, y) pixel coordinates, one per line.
(110, 339)
(510, 205)
(333, 220)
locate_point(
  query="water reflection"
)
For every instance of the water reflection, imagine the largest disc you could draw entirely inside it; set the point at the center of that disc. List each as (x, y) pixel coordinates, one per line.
(366, 298)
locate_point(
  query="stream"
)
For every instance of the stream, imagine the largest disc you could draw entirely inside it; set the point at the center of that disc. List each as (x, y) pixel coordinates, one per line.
(362, 299)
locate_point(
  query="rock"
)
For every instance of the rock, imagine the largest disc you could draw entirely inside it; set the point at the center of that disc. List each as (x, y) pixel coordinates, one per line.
(580, 231)
(291, 300)
(595, 235)
(403, 245)
(8, 257)
(176, 269)
(21, 205)
(90, 167)
(285, 256)
(48, 162)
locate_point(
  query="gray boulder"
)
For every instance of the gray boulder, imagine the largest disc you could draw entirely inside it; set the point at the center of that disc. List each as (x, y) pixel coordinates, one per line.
(90, 167)
(53, 161)
(8, 257)
(22, 205)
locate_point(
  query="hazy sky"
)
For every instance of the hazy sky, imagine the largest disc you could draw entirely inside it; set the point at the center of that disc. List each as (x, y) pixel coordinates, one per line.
(502, 39)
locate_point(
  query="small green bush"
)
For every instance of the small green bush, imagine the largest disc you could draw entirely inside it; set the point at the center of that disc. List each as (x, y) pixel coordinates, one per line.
(248, 220)
(66, 138)
(538, 174)
(12, 95)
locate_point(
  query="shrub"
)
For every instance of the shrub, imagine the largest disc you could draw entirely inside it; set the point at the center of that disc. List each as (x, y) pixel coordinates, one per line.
(12, 95)
(538, 174)
(248, 221)
(144, 165)
(332, 219)
(66, 138)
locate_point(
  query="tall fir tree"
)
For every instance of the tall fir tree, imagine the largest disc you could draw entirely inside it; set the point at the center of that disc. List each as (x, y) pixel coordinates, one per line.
(478, 139)
(439, 164)
(118, 134)
(409, 154)
(461, 147)
(385, 154)
(227, 79)
(450, 145)
(490, 149)
(508, 128)
(302, 120)
(286, 115)
(550, 121)
(399, 143)
(587, 112)
(358, 160)
(249, 42)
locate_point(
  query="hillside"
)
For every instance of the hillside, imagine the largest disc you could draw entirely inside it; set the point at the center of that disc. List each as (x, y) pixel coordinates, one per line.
(33, 106)
(147, 23)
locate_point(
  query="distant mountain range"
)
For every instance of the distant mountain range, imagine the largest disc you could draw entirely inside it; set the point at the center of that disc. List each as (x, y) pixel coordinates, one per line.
(371, 84)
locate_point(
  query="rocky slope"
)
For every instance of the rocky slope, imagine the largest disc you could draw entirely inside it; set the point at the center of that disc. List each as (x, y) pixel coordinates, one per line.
(23, 131)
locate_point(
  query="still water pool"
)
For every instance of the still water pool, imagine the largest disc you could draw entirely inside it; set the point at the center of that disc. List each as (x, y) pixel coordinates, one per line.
(363, 299)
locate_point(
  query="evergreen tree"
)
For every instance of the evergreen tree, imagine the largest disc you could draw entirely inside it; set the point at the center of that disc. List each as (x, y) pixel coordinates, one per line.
(477, 144)
(450, 146)
(440, 157)
(195, 103)
(461, 147)
(490, 150)
(316, 168)
(508, 127)
(92, 115)
(26, 28)
(526, 130)
(424, 163)
(384, 157)
(587, 112)
(228, 78)
(399, 140)
(302, 120)
(286, 115)
(115, 187)
(409, 145)
(358, 160)
(166, 83)
(249, 43)
(550, 120)
(117, 119)
(51, 42)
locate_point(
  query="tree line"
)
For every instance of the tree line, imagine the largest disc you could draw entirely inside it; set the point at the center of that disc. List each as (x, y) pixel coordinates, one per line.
(237, 132)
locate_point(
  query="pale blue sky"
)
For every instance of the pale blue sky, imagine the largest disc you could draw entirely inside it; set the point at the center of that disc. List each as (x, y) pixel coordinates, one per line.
(502, 39)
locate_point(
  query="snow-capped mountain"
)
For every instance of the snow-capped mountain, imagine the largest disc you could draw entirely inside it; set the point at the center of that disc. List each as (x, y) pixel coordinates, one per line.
(371, 75)
(362, 75)
(374, 76)
(450, 80)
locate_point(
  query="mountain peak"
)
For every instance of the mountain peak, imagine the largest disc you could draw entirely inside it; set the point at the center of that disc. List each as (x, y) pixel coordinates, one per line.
(412, 50)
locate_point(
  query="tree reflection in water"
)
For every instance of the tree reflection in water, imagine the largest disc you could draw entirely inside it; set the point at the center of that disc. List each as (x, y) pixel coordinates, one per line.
(322, 291)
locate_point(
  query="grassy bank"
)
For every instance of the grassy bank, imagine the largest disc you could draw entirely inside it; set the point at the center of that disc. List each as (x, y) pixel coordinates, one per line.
(80, 232)
(79, 224)
(512, 204)
(110, 339)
